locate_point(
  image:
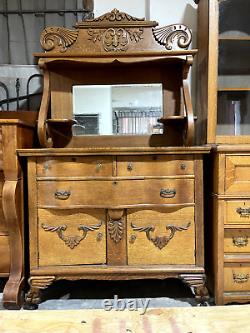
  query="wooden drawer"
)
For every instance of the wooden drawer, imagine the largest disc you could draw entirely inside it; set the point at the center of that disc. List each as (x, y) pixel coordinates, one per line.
(154, 165)
(237, 277)
(114, 193)
(161, 237)
(4, 254)
(71, 237)
(238, 211)
(100, 166)
(237, 176)
(237, 241)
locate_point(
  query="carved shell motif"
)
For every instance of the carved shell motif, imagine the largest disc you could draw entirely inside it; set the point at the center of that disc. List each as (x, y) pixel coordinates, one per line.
(173, 37)
(58, 36)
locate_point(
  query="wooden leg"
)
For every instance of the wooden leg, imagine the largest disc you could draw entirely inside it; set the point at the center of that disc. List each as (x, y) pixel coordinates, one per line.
(37, 284)
(12, 294)
(196, 282)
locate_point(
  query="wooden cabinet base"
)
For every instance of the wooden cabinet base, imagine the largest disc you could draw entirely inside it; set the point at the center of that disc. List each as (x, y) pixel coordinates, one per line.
(195, 281)
(113, 227)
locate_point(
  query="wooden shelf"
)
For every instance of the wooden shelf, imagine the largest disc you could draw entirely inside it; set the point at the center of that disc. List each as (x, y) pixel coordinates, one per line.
(233, 89)
(173, 119)
(235, 38)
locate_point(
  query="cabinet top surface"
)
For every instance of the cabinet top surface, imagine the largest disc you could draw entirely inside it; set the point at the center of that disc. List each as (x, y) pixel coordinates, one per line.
(114, 151)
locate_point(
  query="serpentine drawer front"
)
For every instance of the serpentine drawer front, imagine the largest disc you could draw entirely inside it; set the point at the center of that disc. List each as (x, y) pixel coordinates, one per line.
(154, 237)
(71, 237)
(154, 165)
(237, 241)
(79, 166)
(108, 193)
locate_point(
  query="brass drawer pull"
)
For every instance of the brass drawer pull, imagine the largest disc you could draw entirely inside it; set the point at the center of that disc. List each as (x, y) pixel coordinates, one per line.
(243, 212)
(62, 194)
(240, 241)
(167, 193)
(240, 278)
(130, 166)
(98, 166)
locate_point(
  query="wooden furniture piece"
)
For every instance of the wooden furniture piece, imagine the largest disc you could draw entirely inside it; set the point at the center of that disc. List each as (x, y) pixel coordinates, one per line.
(231, 223)
(224, 119)
(117, 206)
(16, 131)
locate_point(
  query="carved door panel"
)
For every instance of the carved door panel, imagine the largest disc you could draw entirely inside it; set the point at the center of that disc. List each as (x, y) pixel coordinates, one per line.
(71, 237)
(237, 174)
(161, 237)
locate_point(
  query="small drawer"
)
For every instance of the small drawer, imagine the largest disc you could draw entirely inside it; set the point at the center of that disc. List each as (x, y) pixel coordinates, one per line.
(237, 176)
(238, 211)
(71, 237)
(237, 277)
(115, 193)
(4, 254)
(237, 241)
(154, 165)
(161, 237)
(88, 166)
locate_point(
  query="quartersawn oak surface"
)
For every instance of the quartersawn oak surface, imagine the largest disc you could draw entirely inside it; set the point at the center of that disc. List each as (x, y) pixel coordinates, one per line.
(228, 319)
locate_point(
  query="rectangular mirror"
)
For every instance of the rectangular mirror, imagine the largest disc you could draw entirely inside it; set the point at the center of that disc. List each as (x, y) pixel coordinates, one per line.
(124, 109)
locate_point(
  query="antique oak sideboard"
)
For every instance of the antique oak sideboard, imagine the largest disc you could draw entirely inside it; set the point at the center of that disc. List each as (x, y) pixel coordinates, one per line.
(127, 204)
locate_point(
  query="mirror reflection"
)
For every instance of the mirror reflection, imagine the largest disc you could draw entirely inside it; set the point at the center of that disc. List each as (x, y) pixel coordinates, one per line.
(127, 109)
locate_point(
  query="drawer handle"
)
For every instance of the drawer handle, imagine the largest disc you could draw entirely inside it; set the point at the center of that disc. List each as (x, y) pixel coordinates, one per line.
(62, 194)
(71, 241)
(130, 166)
(167, 193)
(240, 241)
(243, 212)
(240, 278)
(160, 241)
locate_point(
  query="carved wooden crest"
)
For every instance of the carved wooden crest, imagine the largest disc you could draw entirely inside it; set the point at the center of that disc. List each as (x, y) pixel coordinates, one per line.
(57, 36)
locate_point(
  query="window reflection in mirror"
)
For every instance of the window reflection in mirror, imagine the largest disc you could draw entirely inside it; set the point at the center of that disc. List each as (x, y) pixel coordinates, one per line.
(117, 109)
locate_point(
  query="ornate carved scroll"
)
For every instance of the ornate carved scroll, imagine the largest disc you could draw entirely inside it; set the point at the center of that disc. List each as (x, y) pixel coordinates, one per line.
(173, 37)
(37, 283)
(196, 282)
(160, 241)
(116, 16)
(53, 37)
(71, 241)
(116, 39)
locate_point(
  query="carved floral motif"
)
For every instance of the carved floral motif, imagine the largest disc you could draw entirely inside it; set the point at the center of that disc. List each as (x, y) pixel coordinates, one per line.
(58, 36)
(115, 39)
(71, 241)
(116, 230)
(173, 37)
(160, 241)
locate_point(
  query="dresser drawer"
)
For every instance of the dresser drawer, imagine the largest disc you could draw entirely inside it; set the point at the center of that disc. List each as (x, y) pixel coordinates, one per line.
(237, 176)
(114, 193)
(161, 237)
(89, 166)
(154, 165)
(71, 237)
(4, 254)
(237, 241)
(237, 277)
(238, 211)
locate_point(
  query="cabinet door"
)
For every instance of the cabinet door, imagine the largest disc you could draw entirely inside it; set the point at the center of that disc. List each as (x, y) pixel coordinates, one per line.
(161, 237)
(71, 237)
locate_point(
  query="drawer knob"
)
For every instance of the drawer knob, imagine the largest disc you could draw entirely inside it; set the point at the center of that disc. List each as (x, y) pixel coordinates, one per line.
(240, 278)
(62, 194)
(167, 193)
(243, 212)
(240, 241)
(130, 166)
(98, 166)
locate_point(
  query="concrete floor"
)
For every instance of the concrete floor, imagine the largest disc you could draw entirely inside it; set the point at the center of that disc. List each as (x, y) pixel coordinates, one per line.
(90, 294)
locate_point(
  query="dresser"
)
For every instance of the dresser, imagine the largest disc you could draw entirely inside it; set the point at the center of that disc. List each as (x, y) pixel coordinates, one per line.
(231, 223)
(115, 214)
(16, 131)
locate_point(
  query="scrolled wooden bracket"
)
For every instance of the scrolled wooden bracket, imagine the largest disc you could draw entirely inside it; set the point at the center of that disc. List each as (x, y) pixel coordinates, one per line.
(42, 129)
(160, 241)
(71, 241)
(189, 131)
(173, 37)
